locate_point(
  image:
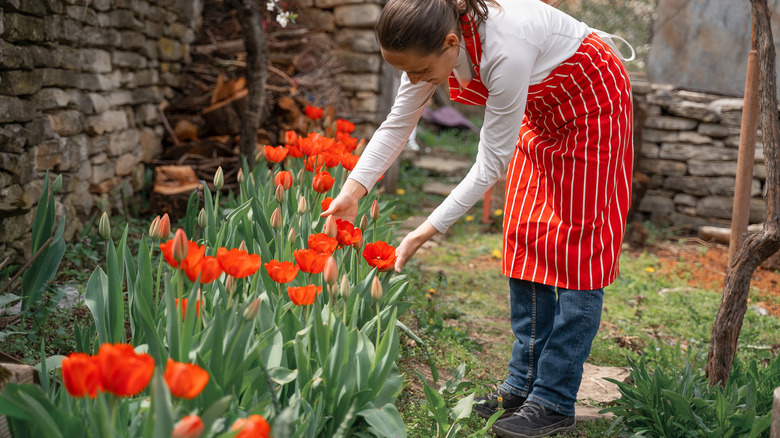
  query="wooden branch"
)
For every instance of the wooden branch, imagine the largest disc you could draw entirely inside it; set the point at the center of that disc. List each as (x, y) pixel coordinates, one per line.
(283, 75)
(166, 124)
(758, 247)
(220, 48)
(25, 266)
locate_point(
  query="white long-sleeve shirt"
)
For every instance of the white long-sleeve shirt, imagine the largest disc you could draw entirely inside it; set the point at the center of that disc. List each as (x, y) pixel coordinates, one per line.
(522, 42)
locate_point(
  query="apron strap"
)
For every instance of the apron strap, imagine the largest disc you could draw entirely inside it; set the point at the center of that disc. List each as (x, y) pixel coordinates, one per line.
(609, 38)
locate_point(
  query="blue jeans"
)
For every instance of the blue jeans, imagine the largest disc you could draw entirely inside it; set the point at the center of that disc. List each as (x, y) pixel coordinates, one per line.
(553, 332)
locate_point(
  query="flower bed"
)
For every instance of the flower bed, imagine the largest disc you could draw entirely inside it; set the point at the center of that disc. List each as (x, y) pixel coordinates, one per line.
(268, 320)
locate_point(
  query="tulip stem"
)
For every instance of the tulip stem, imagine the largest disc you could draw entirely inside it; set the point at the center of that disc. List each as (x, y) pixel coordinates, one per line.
(378, 324)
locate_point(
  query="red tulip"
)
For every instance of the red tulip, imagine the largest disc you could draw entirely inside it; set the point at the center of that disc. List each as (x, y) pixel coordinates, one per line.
(281, 272)
(314, 163)
(347, 233)
(275, 154)
(253, 427)
(380, 255)
(164, 227)
(313, 112)
(185, 380)
(310, 260)
(238, 263)
(322, 243)
(123, 372)
(283, 178)
(194, 253)
(290, 137)
(344, 126)
(349, 161)
(304, 295)
(312, 144)
(208, 268)
(323, 181)
(190, 426)
(325, 203)
(81, 375)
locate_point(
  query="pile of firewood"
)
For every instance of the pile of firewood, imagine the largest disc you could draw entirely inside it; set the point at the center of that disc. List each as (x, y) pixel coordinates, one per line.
(202, 122)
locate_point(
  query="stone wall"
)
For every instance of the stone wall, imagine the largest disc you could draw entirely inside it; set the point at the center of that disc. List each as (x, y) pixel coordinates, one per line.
(690, 144)
(80, 83)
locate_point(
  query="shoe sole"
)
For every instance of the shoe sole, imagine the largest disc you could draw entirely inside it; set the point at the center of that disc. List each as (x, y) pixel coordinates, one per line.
(503, 433)
(489, 413)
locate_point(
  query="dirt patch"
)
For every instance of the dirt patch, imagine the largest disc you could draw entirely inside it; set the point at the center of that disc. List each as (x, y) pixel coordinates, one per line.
(704, 265)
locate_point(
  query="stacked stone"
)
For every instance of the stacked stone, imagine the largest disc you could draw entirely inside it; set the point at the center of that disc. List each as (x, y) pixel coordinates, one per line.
(690, 148)
(358, 52)
(80, 83)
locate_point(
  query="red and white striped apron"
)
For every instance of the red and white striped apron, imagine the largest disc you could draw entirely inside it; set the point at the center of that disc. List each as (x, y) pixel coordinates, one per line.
(569, 183)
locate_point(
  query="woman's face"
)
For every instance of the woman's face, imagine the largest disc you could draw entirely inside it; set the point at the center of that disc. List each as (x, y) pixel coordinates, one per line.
(434, 68)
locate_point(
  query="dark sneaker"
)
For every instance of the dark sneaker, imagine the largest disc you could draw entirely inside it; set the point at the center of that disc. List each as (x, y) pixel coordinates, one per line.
(501, 399)
(533, 420)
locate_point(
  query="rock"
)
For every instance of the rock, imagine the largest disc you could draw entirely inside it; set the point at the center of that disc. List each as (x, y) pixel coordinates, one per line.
(360, 81)
(437, 188)
(442, 166)
(95, 60)
(13, 110)
(20, 82)
(670, 123)
(694, 110)
(359, 63)
(775, 429)
(684, 152)
(51, 98)
(72, 297)
(358, 40)
(359, 15)
(594, 388)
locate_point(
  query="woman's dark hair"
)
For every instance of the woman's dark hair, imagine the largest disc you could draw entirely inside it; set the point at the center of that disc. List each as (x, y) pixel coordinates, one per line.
(422, 25)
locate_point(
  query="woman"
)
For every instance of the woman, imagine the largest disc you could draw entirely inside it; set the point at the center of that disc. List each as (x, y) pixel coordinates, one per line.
(558, 121)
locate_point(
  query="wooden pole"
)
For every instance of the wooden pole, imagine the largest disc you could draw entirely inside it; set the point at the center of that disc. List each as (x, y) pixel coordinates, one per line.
(740, 214)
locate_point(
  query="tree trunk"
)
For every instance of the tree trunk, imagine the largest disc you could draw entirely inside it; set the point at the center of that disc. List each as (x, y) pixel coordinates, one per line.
(250, 16)
(758, 247)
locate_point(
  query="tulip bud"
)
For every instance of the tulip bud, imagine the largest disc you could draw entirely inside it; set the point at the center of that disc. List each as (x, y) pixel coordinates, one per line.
(330, 228)
(242, 246)
(190, 426)
(291, 235)
(376, 289)
(359, 244)
(252, 309)
(359, 148)
(164, 229)
(240, 176)
(276, 219)
(56, 186)
(331, 272)
(104, 226)
(333, 290)
(364, 223)
(374, 210)
(219, 178)
(202, 219)
(279, 195)
(344, 288)
(302, 206)
(230, 284)
(251, 180)
(154, 227)
(180, 245)
(300, 175)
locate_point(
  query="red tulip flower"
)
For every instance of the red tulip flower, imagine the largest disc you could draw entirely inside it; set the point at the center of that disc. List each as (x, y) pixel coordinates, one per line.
(123, 372)
(313, 112)
(275, 154)
(208, 268)
(195, 253)
(349, 161)
(380, 255)
(314, 163)
(185, 380)
(323, 181)
(253, 427)
(190, 426)
(322, 243)
(238, 263)
(283, 178)
(344, 126)
(290, 137)
(304, 295)
(281, 272)
(325, 203)
(347, 233)
(81, 375)
(310, 260)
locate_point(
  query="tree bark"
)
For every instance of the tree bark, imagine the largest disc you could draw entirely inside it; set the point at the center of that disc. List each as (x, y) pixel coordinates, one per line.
(758, 247)
(250, 16)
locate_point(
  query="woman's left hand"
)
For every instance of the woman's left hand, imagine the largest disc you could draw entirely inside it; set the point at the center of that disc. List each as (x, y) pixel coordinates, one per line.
(412, 242)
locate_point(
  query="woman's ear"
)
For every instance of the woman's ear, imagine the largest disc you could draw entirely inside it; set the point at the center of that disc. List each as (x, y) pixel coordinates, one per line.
(451, 40)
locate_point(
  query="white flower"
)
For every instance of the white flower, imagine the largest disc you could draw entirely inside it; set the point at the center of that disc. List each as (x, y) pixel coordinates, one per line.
(283, 18)
(271, 5)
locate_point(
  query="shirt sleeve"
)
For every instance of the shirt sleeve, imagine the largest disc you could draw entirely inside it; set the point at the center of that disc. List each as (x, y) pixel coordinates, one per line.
(507, 77)
(390, 138)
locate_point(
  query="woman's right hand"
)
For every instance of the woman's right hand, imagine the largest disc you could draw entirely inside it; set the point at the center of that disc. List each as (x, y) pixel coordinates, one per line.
(345, 205)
